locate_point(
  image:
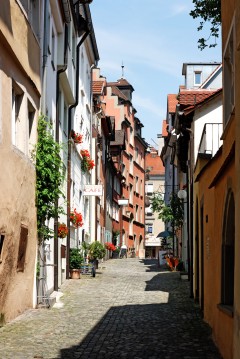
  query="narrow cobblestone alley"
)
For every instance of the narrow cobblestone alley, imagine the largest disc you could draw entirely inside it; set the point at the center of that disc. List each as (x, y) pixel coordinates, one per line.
(131, 309)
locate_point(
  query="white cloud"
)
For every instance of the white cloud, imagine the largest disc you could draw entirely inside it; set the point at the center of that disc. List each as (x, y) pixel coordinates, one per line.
(139, 49)
(179, 9)
(147, 104)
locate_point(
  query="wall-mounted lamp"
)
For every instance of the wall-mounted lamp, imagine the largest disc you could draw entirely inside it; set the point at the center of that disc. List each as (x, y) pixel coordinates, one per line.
(182, 194)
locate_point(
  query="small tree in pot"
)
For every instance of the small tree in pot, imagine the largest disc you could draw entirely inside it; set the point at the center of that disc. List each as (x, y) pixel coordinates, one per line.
(96, 251)
(75, 262)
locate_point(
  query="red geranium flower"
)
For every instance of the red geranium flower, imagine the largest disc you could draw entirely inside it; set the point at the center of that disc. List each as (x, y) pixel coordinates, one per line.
(62, 230)
(76, 218)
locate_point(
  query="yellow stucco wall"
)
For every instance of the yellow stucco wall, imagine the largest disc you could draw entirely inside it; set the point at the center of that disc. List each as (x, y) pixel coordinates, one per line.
(18, 38)
(17, 180)
(213, 203)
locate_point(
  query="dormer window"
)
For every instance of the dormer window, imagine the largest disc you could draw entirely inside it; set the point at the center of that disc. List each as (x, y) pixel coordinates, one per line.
(197, 78)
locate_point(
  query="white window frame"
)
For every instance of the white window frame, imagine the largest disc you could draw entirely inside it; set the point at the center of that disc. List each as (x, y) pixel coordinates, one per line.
(195, 74)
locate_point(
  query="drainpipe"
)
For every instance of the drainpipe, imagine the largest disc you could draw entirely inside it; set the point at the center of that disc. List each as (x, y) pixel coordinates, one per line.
(59, 72)
(173, 222)
(45, 54)
(41, 255)
(70, 148)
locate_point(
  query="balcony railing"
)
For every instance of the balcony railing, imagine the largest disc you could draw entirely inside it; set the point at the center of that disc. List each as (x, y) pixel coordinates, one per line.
(210, 140)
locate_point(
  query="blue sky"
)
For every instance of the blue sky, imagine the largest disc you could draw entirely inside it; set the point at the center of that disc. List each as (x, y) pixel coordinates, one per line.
(153, 38)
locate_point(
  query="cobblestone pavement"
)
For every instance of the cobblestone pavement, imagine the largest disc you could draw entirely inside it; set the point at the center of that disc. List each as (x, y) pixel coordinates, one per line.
(131, 309)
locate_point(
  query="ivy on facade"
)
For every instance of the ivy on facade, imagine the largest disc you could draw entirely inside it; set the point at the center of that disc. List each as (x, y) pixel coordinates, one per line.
(49, 178)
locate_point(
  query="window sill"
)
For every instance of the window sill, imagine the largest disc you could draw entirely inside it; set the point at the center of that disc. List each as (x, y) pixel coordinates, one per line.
(227, 309)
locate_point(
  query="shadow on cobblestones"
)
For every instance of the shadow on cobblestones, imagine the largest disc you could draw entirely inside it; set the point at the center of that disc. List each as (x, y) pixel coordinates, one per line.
(172, 329)
(147, 331)
(132, 309)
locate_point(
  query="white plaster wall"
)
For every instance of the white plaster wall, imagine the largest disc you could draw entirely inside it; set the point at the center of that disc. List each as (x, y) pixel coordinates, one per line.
(211, 113)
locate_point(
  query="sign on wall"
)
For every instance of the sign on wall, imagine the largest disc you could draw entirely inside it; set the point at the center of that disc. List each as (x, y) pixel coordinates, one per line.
(93, 190)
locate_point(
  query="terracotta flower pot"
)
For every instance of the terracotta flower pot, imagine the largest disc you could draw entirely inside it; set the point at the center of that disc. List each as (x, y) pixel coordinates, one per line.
(75, 273)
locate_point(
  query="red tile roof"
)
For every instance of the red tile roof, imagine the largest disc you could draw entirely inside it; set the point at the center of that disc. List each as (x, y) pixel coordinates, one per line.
(154, 163)
(164, 128)
(172, 102)
(191, 108)
(97, 87)
(121, 82)
(190, 97)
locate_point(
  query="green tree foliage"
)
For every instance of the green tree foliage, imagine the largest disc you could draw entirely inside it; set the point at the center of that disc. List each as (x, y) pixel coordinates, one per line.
(208, 11)
(172, 212)
(49, 178)
(96, 250)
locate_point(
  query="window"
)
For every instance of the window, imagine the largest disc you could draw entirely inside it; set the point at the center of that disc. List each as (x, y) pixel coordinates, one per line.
(53, 50)
(197, 78)
(136, 154)
(17, 100)
(136, 216)
(131, 164)
(80, 197)
(131, 225)
(228, 78)
(32, 10)
(149, 188)
(137, 185)
(227, 292)
(131, 135)
(150, 229)
(141, 186)
(2, 237)
(31, 116)
(73, 48)
(22, 248)
(65, 120)
(131, 193)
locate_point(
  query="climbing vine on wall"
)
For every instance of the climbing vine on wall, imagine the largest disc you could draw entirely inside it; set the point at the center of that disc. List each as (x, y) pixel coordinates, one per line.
(172, 212)
(49, 178)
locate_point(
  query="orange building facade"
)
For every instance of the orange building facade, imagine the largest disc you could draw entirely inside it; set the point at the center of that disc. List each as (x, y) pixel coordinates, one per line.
(217, 206)
(128, 156)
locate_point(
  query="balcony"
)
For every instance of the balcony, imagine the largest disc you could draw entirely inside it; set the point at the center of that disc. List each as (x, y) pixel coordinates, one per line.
(211, 139)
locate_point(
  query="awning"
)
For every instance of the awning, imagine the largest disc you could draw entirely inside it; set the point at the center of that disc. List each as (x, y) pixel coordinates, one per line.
(164, 234)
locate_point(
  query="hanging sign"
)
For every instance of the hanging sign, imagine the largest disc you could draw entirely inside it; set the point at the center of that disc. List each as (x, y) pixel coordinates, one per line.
(93, 190)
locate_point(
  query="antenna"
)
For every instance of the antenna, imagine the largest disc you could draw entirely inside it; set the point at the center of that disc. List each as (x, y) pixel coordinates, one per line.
(122, 70)
(154, 142)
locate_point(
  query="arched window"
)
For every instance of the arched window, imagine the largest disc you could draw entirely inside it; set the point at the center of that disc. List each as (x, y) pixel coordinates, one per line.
(227, 294)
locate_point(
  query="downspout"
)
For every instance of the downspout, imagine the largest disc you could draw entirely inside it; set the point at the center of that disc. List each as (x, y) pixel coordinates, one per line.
(173, 222)
(45, 55)
(70, 148)
(59, 72)
(42, 275)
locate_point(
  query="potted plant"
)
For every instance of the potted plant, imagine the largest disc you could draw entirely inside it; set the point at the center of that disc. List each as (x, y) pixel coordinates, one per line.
(76, 218)
(87, 163)
(77, 137)
(96, 251)
(75, 262)
(62, 230)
